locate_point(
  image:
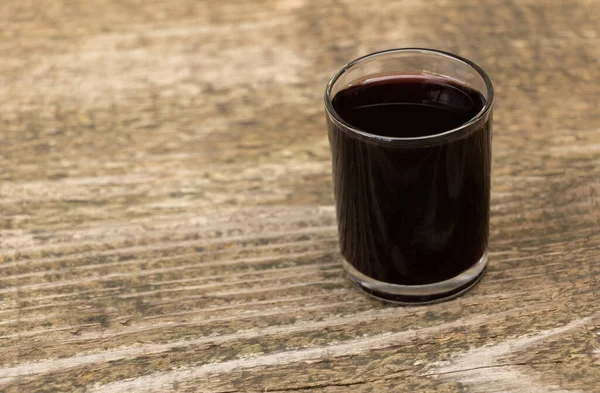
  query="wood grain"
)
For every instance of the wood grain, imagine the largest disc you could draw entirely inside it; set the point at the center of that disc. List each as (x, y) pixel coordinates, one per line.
(167, 222)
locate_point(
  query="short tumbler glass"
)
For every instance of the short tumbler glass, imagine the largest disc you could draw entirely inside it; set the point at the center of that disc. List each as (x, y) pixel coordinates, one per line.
(412, 211)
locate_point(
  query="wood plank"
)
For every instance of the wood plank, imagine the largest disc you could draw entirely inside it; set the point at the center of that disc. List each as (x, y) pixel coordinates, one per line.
(167, 221)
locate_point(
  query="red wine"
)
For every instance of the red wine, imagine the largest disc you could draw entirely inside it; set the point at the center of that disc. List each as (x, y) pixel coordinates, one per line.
(411, 214)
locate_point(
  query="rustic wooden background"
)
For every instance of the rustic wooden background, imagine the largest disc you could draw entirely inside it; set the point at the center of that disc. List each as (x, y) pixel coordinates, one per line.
(166, 211)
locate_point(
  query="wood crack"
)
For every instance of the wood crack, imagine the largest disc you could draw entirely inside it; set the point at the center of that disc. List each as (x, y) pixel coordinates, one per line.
(338, 384)
(492, 366)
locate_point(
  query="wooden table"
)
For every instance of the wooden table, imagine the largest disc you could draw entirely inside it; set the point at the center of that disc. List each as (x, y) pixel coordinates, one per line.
(167, 219)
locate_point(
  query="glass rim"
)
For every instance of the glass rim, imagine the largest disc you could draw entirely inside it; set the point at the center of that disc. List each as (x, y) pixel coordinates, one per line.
(481, 115)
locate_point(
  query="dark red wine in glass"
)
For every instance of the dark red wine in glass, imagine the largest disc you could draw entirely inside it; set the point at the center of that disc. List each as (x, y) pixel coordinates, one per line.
(411, 167)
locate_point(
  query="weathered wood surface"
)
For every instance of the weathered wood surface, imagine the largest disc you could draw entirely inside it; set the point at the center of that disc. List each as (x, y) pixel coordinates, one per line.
(167, 221)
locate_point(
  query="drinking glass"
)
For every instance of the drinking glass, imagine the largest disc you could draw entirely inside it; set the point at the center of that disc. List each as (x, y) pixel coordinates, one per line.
(412, 212)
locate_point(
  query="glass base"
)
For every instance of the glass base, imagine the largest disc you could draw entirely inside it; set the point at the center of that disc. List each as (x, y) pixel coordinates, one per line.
(418, 294)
